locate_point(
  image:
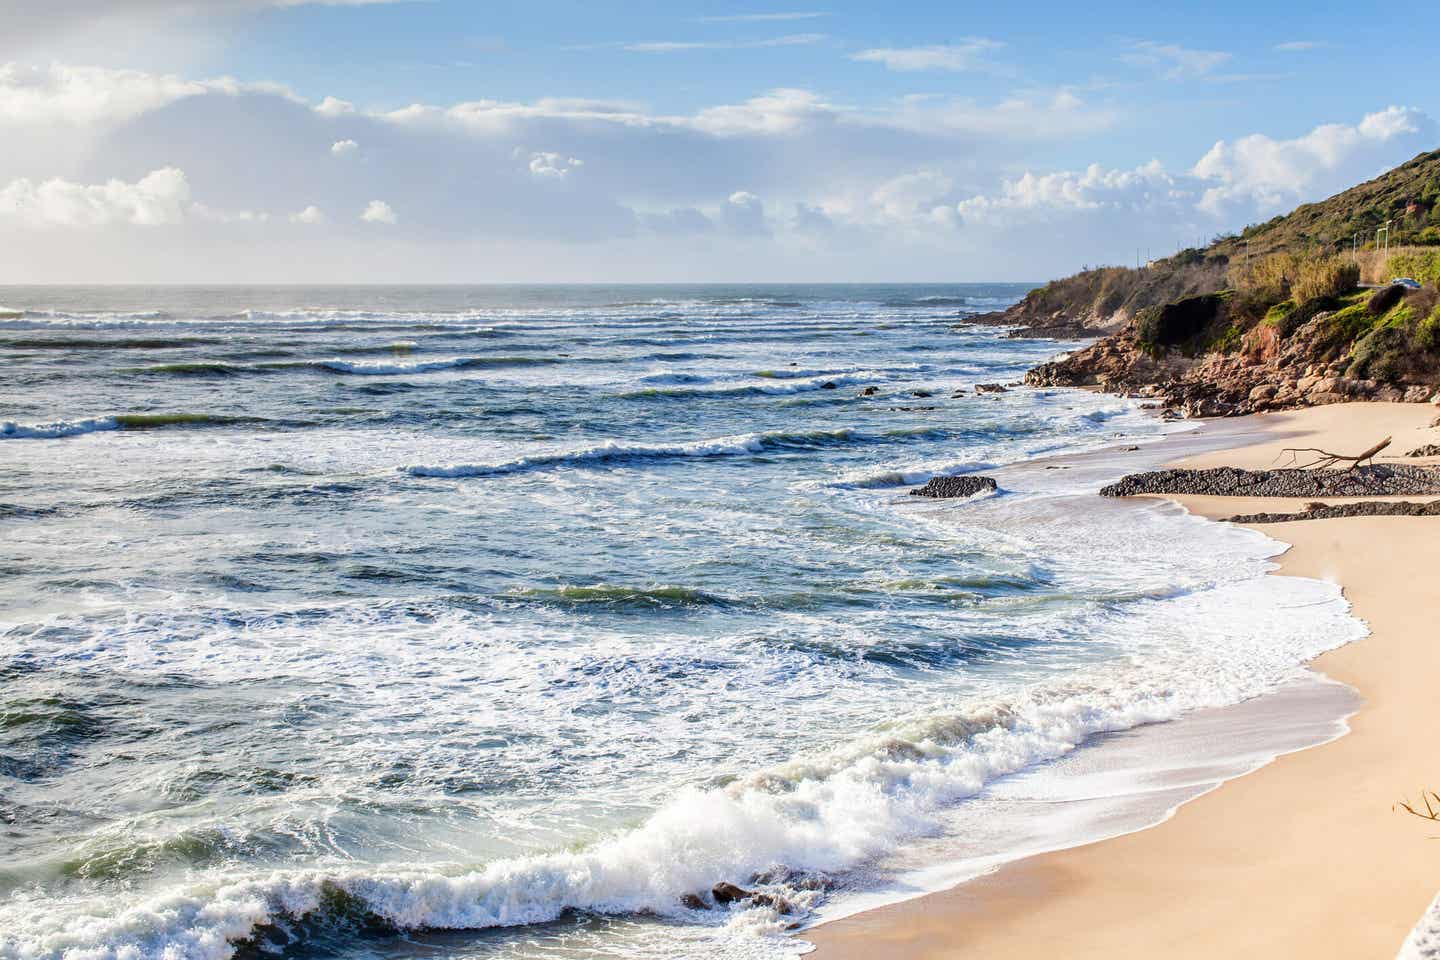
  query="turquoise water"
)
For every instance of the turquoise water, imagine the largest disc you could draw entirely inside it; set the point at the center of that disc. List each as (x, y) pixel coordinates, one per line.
(492, 621)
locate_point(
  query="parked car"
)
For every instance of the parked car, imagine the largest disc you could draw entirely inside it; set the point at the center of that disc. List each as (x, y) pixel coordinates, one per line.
(1409, 283)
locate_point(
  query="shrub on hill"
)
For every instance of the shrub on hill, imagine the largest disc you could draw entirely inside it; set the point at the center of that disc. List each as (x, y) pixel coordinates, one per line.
(1324, 277)
(1423, 265)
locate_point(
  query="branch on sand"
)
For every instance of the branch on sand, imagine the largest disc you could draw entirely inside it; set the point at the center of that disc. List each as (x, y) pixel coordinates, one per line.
(1432, 806)
(1328, 459)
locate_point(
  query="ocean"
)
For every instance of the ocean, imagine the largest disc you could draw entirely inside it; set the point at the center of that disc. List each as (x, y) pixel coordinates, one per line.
(507, 621)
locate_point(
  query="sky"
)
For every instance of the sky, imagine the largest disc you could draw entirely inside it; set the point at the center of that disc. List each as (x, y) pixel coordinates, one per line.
(428, 141)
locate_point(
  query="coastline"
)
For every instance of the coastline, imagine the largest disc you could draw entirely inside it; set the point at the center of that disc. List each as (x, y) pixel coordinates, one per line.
(1303, 855)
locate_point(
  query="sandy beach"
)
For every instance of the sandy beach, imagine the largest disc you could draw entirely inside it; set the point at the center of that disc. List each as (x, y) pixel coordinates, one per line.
(1306, 856)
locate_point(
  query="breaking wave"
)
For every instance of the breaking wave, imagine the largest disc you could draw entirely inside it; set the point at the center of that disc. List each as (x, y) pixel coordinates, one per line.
(611, 452)
(782, 829)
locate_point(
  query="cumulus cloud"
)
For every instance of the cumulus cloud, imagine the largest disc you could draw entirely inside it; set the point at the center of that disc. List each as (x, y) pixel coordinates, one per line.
(1270, 174)
(334, 107)
(341, 147)
(378, 211)
(1067, 191)
(1173, 61)
(311, 214)
(160, 197)
(777, 112)
(953, 57)
(86, 96)
(552, 166)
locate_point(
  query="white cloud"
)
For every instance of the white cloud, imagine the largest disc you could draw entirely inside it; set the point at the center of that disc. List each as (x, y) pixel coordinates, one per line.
(1066, 191)
(201, 212)
(334, 107)
(779, 111)
(378, 211)
(553, 166)
(85, 96)
(953, 57)
(160, 197)
(1173, 61)
(1298, 46)
(341, 147)
(1270, 174)
(681, 46)
(744, 213)
(311, 214)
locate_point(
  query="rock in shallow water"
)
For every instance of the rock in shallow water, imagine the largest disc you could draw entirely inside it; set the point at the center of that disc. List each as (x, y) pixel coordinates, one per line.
(962, 486)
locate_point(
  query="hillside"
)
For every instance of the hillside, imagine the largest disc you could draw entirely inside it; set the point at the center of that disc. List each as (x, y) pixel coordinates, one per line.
(1283, 314)
(1103, 299)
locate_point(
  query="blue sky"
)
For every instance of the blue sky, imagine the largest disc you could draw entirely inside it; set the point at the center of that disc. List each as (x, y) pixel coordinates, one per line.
(439, 140)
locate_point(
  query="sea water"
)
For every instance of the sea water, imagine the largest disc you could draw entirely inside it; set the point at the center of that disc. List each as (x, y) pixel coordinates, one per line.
(493, 621)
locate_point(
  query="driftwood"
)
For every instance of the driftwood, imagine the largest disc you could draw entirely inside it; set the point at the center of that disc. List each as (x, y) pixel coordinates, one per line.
(1431, 811)
(1328, 459)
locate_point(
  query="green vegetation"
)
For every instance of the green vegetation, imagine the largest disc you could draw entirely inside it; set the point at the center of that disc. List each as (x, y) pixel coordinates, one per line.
(1408, 197)
(1286, 292)
(1192, 324)
(1423, 265)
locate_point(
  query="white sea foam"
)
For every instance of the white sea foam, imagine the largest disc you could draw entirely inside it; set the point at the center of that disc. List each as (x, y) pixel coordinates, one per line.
(10, 430)
(825, 812)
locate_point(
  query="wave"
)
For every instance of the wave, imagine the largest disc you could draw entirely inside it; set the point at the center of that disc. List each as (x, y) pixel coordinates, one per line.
(10, 430)
(611, 452)
(747, 389)
(670, 379)
(218, 368)
(105, 343)
(612, 596)
(786, 829)
(423, 366)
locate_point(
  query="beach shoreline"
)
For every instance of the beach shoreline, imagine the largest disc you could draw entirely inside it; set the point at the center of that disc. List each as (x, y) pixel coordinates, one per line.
(1300, 855)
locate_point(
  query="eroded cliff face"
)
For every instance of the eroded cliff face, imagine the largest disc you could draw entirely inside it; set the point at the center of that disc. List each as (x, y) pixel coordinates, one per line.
(1260, 369)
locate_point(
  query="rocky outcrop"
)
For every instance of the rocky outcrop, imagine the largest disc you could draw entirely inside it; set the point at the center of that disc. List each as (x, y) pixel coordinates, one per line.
(1429, 450)
(966, 485)
(1264, 373)
(1373, 480)
(1329, 511)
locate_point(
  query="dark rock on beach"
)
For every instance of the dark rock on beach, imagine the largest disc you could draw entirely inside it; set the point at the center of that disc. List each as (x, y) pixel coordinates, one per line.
(990, 388)
(724, 892)
(829, 385)
(869, 391)
(1374, 480)
(1429, 450)
(1366, 508)
(693, 901)
(961, 486)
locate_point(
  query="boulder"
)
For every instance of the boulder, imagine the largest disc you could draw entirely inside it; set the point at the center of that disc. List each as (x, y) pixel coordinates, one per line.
(965, 485)
(990, 388)
(829, 385)
(869, 391)
(693, 901)
(729, 893)
(921, 393)
(1416, 394)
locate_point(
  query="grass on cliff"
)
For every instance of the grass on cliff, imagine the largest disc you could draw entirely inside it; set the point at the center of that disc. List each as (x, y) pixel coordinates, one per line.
(1407, 196)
